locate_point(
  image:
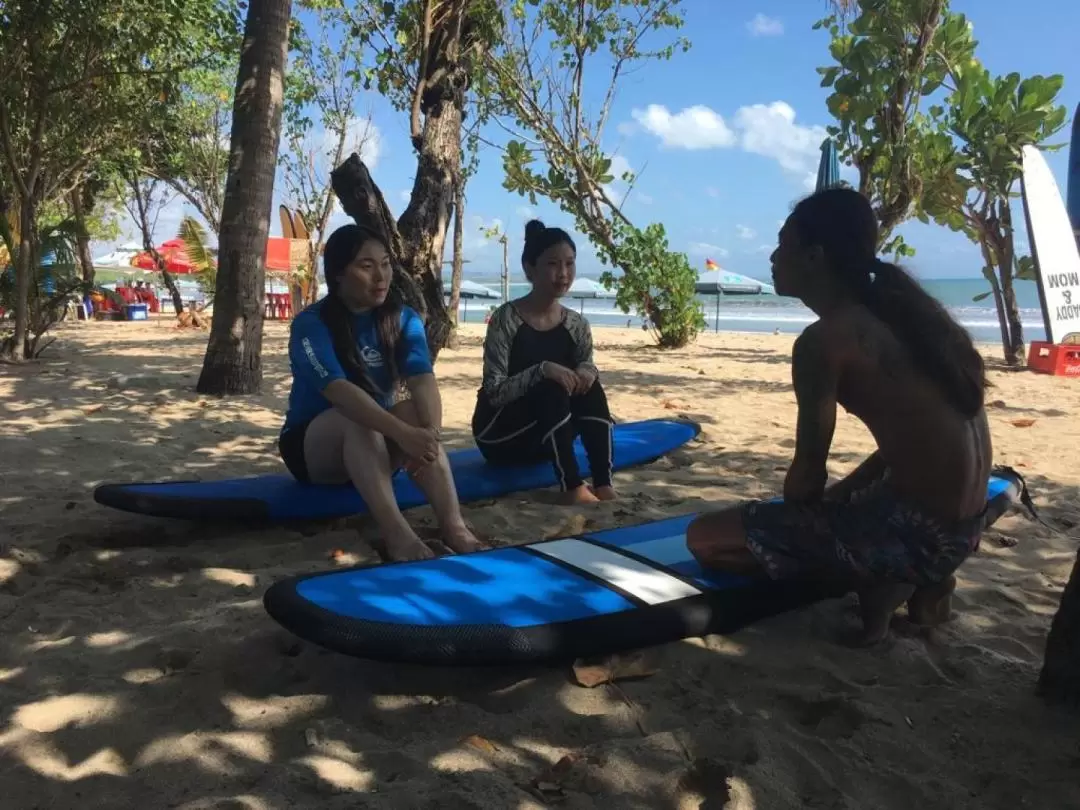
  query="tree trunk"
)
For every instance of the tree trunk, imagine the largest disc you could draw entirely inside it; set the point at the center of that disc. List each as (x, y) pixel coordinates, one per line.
(82, 236)
(458, 267)
(170, 285)
(24, 270)
(424, 223)
(1059, 681)
(233, 361)
(1014, 351)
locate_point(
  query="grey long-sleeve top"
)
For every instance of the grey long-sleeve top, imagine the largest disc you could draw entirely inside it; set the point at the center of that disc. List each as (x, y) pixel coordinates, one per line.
(499, 385)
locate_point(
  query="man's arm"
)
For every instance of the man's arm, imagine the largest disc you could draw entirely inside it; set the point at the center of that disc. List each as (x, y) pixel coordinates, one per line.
(814, 375)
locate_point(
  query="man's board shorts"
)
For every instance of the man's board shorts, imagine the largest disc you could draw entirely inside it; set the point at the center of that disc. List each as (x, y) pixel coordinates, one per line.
(874, 535)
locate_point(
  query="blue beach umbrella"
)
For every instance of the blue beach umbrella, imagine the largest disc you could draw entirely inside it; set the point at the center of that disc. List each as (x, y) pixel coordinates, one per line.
(828, 173)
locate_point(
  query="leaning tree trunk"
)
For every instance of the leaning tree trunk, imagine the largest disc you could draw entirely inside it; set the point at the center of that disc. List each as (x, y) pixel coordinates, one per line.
(424, 223)
(233, 361)
(1059, 681)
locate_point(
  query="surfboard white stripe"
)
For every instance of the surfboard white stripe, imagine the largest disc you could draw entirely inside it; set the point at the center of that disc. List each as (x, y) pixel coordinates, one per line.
(651, 586)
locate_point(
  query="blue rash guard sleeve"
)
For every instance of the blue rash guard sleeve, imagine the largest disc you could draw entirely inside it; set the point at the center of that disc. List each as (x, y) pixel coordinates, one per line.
(413, 350)
(311, 353)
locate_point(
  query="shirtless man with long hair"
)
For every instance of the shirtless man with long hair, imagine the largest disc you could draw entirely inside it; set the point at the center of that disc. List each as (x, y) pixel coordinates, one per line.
(897, 527)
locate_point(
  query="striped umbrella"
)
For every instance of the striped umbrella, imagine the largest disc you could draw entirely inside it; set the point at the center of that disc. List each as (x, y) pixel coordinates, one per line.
(828, 173)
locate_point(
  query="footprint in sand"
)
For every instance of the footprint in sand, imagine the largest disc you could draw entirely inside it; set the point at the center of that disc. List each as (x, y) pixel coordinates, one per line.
(826, 716)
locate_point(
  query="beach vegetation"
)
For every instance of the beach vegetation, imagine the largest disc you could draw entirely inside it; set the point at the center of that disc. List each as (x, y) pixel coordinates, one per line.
(547, 53)
(991, 119)
(86, 69)
(889, 59)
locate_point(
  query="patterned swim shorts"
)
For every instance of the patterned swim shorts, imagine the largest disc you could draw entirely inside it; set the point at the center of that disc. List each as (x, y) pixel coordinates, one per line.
(873, 535)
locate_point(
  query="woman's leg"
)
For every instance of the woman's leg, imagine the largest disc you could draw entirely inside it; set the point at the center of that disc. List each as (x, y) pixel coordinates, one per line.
(539, 425)
(593, 420)
(336, 451)
(436, 481)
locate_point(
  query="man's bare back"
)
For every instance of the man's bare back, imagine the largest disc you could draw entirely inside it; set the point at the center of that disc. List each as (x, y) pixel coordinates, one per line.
(938, 459)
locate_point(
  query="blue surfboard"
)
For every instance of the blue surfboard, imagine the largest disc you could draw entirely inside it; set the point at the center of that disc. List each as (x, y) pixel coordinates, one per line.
(281, 497)
(556, 599)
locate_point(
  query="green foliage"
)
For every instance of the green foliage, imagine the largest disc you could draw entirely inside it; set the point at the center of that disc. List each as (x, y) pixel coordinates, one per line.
(51, 287)
(991, 120)
(194, 236)
(538, 72)
(660, 286)
(89, 71)
(890, 62)
(934, 135)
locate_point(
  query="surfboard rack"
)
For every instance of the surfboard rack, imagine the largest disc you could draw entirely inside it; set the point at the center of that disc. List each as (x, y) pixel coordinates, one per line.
(1062, 360)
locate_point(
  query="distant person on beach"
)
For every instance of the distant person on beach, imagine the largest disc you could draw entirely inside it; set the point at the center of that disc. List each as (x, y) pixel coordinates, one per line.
(897, 527)
(364, 399)
(540, 388)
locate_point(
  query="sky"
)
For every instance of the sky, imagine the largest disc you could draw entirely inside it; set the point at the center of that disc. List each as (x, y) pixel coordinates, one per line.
(724, 138)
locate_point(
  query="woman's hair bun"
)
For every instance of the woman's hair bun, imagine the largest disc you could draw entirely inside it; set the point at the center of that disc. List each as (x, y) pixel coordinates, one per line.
(533, 228)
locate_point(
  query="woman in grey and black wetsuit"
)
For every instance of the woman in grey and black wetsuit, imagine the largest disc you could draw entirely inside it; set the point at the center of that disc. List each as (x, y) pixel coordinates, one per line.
(540, 387)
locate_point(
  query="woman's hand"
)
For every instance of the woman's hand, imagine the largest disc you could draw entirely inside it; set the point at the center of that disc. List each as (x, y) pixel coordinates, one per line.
(585, 377)
(563, 376)
(420, 445)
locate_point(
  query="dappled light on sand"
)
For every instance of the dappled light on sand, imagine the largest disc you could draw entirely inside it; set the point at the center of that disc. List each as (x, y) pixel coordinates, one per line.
(138, 667)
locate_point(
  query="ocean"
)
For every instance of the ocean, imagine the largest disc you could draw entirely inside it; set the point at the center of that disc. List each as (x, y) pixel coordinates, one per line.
(771, 313)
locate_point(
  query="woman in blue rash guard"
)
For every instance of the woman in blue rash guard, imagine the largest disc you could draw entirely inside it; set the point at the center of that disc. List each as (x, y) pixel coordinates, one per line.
(354, 354)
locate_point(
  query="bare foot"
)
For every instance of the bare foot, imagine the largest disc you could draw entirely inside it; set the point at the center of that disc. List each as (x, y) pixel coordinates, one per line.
(579, 495)
(877, 604)
(460, 539)
(406, 546)
(607, 493)
(932, 605)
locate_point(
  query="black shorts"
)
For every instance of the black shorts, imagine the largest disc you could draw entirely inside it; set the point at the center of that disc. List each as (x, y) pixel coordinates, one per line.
(291, 447)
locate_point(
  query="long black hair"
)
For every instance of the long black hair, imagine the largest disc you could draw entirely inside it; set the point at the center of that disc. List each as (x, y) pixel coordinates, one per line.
(341, 248)
(842, 222)
(538, 238)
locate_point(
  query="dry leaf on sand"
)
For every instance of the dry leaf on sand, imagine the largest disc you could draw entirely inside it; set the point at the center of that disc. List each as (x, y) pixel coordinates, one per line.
(1022, 422)
(480, 743)
(595, 672)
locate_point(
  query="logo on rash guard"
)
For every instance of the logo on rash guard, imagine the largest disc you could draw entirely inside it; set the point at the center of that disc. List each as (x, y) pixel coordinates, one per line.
(371, 357)
(315, 364)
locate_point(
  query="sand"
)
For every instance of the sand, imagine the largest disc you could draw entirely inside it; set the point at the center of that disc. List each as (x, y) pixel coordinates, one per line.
(138, 668)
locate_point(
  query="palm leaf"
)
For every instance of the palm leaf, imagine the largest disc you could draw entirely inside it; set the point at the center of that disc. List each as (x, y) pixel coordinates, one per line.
(193, 235)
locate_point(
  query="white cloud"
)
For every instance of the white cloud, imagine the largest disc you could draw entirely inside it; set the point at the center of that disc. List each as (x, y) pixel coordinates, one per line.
(405, 195)
(526, 212)
(744, 232)
(712, 191)
(697, 127)
(763, 26)
(707, 250)
(770, 130)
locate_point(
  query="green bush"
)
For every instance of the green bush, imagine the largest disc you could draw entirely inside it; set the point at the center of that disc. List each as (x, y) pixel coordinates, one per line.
(656, 283)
